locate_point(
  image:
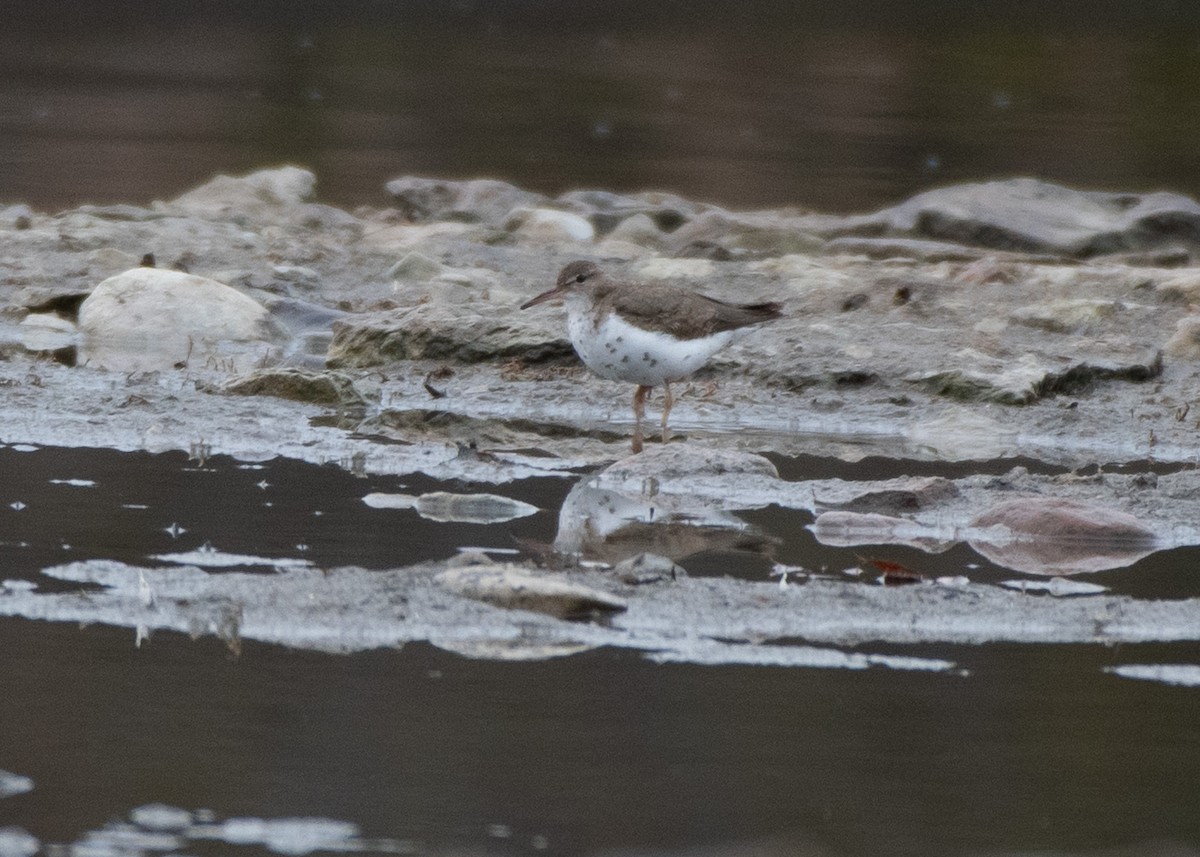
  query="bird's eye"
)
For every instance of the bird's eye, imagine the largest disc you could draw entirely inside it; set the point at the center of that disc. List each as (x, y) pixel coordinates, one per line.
(580, 278)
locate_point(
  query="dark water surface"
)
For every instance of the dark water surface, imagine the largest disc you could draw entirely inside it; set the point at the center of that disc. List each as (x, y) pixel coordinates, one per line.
(835, 105)
(1037, 750)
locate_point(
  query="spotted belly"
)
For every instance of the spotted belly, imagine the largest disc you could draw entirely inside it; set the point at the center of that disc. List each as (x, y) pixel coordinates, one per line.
(619, 351)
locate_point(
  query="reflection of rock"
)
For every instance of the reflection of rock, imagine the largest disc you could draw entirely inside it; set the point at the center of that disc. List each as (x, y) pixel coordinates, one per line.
(1049, 535)
(610, 525)
(516, 589)
(896, 495)
(462, 508)
(509, 648)
(849, 529)
(152, 318)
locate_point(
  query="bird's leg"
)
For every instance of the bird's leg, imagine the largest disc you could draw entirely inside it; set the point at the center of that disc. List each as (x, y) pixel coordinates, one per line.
(668, 401)
(639, 412)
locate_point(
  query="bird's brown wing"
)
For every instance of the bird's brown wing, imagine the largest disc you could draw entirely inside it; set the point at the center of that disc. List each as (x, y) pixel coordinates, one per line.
(682, 313)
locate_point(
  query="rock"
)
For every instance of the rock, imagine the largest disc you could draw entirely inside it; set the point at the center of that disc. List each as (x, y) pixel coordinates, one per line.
(266, 196)
(1052, 535)
(416, 266)
(515, 589)
(419, 279)
(479, 201)
(17, 216)
(110, 259)
(168, 313)
(298, 274)
(1182, 286)
(1032, 216)
(61, 300)
(321, 388)
(549, 225)
(639, 229)
(721, 235)
(906, 494)
(316, 217)
(607, 211)
(1032, 377)
(668, 269)
(47, 332)
(1185, 341)
(121, 213)
(903, 248)
(1066, 315)
(469, 332)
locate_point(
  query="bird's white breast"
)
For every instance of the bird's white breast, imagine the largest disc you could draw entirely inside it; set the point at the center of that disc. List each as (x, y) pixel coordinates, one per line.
(617, 350)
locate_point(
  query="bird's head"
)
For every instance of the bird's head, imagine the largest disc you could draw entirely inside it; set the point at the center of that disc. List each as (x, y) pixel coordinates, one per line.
(575, 277)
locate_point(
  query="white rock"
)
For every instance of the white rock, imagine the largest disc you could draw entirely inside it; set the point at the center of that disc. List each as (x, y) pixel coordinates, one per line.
(1185, 341)
(548, 224)
(1065, 314)
(639, 229)
(667, 269)
(416, 266)
(266, 195)
(44, 331)
(170, 313)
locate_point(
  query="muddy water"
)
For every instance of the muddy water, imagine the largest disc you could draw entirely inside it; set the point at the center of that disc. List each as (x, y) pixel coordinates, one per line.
(838, 106)
(422, 751)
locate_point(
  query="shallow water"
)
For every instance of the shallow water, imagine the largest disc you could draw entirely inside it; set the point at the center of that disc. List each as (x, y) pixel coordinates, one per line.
(1036, 748)
(838, 106)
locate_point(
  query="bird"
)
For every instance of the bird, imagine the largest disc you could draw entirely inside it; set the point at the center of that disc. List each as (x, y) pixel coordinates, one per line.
(648, 334)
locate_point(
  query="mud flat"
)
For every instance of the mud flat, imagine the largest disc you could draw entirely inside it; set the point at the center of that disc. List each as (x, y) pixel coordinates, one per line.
(983, 321)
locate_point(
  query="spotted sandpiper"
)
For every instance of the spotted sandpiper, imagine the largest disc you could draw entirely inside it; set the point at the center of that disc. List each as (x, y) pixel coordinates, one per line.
(647, 334)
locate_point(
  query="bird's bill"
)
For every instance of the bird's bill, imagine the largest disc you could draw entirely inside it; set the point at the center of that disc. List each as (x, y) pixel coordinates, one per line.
(554, 294)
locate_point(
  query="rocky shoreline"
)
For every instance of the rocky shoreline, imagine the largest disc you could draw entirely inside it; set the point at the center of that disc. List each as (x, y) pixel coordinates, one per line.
(1012, 318)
